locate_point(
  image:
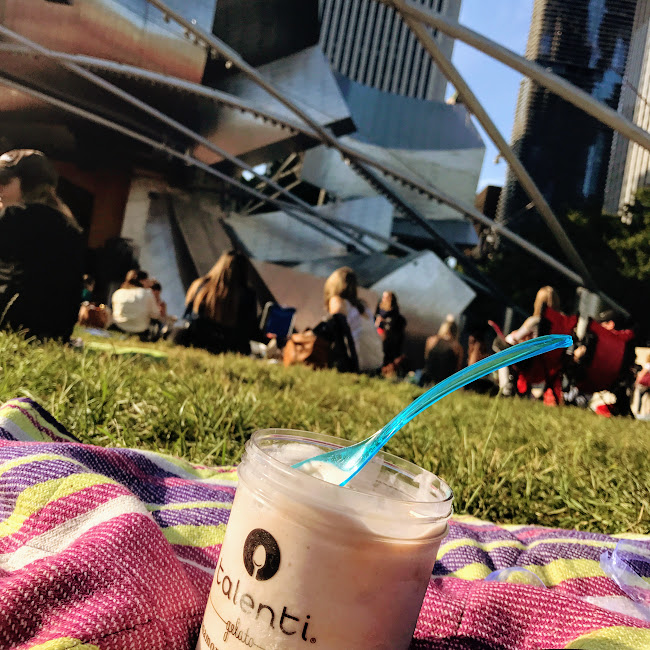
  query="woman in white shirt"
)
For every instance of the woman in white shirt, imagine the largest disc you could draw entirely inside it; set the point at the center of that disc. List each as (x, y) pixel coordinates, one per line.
(340, 293)
(134, 306)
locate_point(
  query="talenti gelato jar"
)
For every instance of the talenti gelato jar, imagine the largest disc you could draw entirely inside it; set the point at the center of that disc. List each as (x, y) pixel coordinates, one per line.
(306, 563)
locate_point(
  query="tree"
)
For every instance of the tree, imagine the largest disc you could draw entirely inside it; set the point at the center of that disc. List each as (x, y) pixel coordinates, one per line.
(615, 250)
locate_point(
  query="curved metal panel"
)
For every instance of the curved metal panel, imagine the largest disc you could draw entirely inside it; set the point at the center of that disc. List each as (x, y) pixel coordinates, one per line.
(128, 31)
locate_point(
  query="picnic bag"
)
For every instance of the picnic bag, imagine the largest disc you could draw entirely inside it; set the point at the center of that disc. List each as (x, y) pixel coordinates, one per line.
(328, 345)
(306, 348)
(91, 315)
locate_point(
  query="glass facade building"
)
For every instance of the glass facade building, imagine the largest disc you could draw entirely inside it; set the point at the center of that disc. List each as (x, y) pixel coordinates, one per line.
(366, 41)
(565, 150)
(629, 165)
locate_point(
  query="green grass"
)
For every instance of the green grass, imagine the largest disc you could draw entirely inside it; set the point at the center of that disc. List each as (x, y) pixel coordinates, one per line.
(507, 460)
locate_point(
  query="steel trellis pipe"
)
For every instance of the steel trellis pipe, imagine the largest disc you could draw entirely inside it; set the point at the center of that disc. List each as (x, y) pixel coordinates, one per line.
(186, 158)
(534, 71)
(435, 194)
(213, 94)
(181, 128)
(350, 152)
(476, 108)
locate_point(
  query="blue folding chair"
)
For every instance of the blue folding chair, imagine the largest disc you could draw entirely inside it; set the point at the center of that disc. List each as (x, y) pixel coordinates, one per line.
(277, 321)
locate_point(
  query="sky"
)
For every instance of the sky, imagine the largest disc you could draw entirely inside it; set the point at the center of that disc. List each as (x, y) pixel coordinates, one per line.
(496, 86)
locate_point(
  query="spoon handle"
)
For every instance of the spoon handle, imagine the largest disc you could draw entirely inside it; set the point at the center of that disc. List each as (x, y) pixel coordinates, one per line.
(520, 352)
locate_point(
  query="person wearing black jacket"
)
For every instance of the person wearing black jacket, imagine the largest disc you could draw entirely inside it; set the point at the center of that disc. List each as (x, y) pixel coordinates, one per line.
(41, 249)
(391, 326)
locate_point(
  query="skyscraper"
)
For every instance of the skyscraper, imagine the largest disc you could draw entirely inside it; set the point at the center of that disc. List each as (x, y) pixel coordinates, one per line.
(368, 42)
(566, 151)
(629, 166)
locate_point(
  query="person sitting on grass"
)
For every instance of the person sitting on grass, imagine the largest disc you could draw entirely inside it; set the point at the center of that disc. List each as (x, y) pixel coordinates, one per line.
(443, 354)
(340, 297)
(134, 306)
(88, 288)
(221, 309)
(41, 249)
(546, 297)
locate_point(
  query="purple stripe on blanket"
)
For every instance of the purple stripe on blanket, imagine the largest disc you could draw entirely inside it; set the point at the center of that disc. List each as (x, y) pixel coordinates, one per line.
(547, 553)
(191, 516)
(129, 464)
(503, 557)
(28, 474)
(551, 534)
(485, 534)
(12, 450)
(152, 485)
(14, 481)
(460, 531)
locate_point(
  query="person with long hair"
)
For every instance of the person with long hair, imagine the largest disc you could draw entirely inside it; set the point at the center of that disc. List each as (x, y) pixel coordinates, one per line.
(41, 249)
(391, 326)
(546, 297)
(443, 353)
(135, 306)
(222, 308)
(341, 297)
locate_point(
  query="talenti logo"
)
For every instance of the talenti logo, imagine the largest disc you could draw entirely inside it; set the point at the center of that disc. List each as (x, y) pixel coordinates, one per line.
(261, 556)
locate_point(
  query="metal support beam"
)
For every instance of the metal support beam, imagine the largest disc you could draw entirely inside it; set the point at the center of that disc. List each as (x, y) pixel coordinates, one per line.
(348, 152)
(231, 55)
(410, 212)
(181, 128)
(534, 71)
(359, 230)
(160, 146)
(216, 44)
(213, 94)
(476, 108)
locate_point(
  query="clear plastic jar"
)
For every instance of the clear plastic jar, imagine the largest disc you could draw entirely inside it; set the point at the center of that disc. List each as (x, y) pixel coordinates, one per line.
(305, 563)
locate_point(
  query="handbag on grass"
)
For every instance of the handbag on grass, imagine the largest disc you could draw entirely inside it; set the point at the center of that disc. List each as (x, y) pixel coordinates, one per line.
(328, 345)
(91, 315)
(306, 348)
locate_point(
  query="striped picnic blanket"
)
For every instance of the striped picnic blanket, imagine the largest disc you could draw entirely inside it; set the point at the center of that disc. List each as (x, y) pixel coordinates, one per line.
(115, 548)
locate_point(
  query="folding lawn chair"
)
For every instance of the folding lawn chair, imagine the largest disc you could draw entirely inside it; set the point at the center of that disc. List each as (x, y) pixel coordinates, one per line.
(277, 322)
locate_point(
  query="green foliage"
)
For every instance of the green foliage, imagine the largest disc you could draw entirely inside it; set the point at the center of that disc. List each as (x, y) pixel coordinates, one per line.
(632, 243)
(507, 460)
(616, 251)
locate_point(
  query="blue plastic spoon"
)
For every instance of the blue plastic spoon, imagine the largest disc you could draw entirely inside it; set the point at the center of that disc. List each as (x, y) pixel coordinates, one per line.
(349, 461)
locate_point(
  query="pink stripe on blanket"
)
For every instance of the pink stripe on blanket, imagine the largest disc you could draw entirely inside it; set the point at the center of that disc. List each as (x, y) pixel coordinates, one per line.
(117, 577)
(61, 511)
(208, 556)
(510, 616)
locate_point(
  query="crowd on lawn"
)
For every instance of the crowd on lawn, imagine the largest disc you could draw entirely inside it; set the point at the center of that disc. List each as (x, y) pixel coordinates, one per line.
(43, 291)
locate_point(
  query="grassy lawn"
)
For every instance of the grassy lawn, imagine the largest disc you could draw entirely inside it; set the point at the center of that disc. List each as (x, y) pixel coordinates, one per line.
(507, 460)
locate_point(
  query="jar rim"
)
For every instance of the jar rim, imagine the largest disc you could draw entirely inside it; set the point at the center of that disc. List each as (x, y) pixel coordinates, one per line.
(300, 485)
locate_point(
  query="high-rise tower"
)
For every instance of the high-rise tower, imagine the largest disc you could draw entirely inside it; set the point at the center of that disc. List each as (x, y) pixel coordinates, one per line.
(368, 42)
(566, 151)
(629, 165)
